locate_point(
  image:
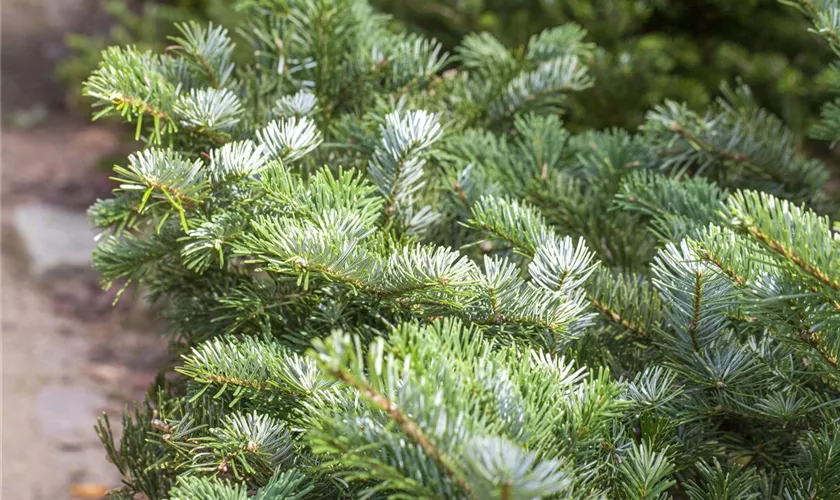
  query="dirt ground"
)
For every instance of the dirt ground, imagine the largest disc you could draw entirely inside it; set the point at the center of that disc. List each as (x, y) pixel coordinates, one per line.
(67, 353)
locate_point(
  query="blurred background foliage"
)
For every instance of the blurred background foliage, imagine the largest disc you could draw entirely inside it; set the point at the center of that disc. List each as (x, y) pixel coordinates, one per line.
(653, 50)
(650, 50)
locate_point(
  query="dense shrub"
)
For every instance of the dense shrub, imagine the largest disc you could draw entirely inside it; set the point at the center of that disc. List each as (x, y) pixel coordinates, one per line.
(392, 279)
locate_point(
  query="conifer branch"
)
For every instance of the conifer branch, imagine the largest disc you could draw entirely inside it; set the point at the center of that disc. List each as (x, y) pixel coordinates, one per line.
(813, 340)
(145, 107)
(408, 426)
(696, 311)
(720, 153)
(616, 317)
(728, 270)
(788, 254)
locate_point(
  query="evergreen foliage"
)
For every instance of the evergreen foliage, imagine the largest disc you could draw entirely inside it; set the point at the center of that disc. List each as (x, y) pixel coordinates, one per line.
(649, 50)
(390, 279)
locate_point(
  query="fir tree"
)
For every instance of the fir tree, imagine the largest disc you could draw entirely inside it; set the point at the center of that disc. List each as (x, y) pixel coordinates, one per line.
(391, 272)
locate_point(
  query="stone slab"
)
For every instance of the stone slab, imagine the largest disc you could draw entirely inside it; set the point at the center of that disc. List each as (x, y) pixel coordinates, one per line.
(54, 239)
(67, 413)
